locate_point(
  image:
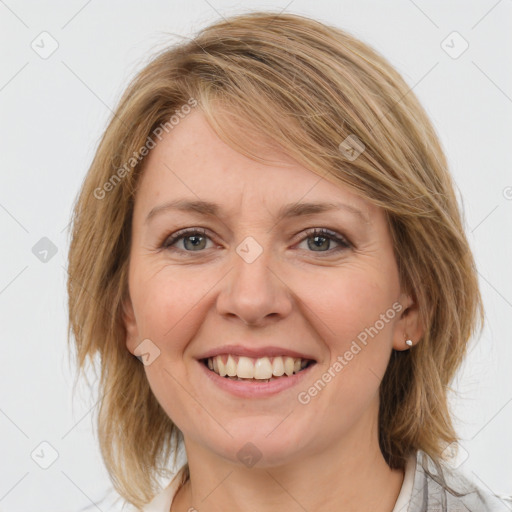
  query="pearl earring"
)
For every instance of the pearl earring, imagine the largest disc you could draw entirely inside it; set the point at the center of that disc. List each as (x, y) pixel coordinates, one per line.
(409, 343)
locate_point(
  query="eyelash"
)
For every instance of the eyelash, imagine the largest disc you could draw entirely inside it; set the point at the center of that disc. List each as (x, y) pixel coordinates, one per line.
(169, 241)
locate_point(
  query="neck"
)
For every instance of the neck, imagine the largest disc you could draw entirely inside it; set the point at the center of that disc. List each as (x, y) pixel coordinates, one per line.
(352, 475)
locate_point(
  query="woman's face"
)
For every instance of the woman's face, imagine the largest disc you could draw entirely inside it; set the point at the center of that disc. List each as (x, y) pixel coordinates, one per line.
(253, 281)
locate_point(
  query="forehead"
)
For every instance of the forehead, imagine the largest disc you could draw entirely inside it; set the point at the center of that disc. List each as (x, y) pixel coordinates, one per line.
(192, 161)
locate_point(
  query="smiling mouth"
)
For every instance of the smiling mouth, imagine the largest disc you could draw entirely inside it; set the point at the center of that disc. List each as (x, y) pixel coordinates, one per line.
(263, 369)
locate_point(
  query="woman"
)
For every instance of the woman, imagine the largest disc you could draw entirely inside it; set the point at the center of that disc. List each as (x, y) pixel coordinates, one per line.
(268, 257)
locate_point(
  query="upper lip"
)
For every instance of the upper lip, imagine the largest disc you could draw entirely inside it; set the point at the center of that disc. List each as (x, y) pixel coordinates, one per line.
(240, 350)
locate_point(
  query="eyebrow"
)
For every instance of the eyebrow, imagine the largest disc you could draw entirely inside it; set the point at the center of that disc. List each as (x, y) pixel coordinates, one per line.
(287, 211)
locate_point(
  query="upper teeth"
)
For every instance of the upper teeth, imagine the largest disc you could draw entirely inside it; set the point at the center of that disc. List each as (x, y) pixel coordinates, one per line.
(261, 368)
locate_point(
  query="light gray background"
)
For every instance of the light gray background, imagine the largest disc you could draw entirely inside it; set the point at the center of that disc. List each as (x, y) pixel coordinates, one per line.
(53, 111)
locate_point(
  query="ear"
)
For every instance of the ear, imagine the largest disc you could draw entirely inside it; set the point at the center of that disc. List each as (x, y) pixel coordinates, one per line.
(409, 326)
(130, 323)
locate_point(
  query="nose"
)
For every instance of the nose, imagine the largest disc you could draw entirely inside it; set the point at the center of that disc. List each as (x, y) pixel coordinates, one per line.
(254, 292)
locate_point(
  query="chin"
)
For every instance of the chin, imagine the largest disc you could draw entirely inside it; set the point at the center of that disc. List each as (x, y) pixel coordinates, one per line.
(261, 442)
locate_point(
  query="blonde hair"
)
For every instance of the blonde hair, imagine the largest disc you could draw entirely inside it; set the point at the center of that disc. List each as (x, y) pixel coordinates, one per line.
(306, 87)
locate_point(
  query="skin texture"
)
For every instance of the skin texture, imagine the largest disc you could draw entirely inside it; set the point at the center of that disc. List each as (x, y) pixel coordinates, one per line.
(323, 455)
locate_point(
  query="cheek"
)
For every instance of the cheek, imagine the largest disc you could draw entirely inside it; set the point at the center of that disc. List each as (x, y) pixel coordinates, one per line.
(168, 301)
(350, 300)
(353, 312)
(167, 384)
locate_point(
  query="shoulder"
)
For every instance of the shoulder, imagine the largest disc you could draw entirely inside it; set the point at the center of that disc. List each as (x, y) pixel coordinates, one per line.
(162, 501)
(438, 487)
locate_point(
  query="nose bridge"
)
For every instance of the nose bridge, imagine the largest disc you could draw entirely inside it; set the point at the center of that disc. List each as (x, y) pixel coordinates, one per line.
(252, 291)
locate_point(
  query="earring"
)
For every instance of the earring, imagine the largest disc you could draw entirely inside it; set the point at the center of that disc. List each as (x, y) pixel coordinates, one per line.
(409, 343)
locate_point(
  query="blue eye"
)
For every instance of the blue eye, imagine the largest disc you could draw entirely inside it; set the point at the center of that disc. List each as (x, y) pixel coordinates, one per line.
(195, 240)
(195, 236)
(321, 236)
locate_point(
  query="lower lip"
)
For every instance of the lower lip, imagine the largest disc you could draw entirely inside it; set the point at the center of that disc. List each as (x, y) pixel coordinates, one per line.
(254, 389)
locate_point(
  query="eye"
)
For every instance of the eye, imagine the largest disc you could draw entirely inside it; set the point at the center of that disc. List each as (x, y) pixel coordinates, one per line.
(194, 239)
(322, 238)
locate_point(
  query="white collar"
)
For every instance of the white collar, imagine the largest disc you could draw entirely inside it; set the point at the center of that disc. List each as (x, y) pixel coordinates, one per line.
(163, 500)
(402, 502)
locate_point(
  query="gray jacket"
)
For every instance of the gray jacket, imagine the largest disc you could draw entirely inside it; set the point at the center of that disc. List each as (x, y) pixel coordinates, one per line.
(441, 488)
